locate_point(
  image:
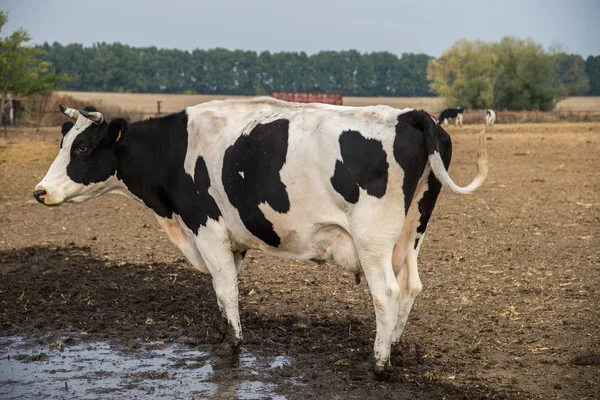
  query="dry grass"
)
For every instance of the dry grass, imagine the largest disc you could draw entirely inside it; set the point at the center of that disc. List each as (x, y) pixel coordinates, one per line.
(581, 103)
(146, 102)
(145, 105)
(42, 109)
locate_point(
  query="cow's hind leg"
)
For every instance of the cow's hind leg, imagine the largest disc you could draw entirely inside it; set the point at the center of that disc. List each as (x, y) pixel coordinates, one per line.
(375, 244)
(407, 249)
(214, 245)
(413, 234)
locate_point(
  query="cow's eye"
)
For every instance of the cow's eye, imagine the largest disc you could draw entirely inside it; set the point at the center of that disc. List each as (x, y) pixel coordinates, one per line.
(81, 149)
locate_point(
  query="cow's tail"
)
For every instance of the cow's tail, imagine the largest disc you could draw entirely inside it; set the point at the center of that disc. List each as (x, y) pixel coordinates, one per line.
(437, 165)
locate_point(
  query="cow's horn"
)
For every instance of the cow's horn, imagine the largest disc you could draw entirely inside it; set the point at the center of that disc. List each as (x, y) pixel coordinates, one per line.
(69, 112)
(93, 116)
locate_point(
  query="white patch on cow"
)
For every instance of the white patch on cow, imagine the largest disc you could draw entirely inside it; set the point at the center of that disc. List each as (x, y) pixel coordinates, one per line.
(459, 120)
(490, 117)
(81, 125)
(241, 173)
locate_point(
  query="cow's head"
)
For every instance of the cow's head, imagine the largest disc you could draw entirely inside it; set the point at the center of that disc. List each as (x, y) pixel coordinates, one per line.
(87, 162)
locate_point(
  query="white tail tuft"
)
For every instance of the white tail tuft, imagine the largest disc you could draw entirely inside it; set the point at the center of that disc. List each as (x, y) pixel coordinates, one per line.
(437, 166)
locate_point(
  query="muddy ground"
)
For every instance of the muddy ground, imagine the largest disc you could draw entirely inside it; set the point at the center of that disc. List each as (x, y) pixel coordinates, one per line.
(509, 309)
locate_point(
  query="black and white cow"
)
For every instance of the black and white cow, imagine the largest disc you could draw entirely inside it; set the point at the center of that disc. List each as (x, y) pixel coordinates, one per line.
(456, 113)
(303, 181)
(490, 117)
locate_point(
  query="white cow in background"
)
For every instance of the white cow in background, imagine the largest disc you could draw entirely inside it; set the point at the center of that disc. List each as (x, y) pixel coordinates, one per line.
(490, 117)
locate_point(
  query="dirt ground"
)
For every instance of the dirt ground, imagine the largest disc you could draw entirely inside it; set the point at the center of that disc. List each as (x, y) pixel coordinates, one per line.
(510, 306)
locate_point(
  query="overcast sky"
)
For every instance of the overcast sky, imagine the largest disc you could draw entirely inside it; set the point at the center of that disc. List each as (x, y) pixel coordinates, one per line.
(425, 26)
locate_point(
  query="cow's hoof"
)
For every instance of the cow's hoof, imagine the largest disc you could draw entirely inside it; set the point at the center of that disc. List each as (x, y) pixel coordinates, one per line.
(228, 360)
(228, 347)
(382, 372)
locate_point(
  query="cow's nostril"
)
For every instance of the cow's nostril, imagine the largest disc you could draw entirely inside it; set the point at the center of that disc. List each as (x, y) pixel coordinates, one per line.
(40, 195)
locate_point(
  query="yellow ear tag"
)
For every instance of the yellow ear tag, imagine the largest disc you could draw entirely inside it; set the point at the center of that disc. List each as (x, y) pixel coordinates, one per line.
(118, 136)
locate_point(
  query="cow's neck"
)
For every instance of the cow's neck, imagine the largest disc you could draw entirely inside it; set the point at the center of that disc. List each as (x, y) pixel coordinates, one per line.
(148, 158)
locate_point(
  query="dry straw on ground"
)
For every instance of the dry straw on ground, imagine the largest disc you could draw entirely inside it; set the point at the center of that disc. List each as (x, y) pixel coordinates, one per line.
(43, 110)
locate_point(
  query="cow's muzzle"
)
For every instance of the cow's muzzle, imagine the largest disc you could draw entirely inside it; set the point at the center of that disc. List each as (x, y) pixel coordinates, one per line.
(40, 196)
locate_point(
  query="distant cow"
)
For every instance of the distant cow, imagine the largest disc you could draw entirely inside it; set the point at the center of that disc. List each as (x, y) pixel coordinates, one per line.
(302, 181)
(8, 117)
(490, 117)
(456, 113)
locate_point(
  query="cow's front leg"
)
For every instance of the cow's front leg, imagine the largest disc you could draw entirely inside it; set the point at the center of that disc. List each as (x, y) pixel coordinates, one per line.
(215, 248)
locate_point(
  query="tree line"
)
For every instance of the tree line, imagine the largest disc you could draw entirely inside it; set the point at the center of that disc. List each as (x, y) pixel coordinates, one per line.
(115, 67)
(512, 74)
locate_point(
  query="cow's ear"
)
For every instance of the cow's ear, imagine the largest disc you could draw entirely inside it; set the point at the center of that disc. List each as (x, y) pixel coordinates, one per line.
(117, 131)
(66, 127)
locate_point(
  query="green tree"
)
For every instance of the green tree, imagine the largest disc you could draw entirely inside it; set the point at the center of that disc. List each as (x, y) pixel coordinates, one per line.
(412, 75)
(525, 78)
(387, 68)
(117, 67)
(592, 69)
(570, 73)
(463, 76)
(22, 72)
(514, 74)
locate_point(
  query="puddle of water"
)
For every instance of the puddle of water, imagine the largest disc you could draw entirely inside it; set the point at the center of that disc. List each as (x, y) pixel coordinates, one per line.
(95, 370)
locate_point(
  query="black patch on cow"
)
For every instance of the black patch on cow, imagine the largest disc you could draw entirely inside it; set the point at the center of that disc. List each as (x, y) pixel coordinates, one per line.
(195, 205)
(364, 164)
(93, 159)
(410, 151)
(151, 164)
(251, 176)
(64, 129)
(449, 113)
(427, 202)
(345, 183)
